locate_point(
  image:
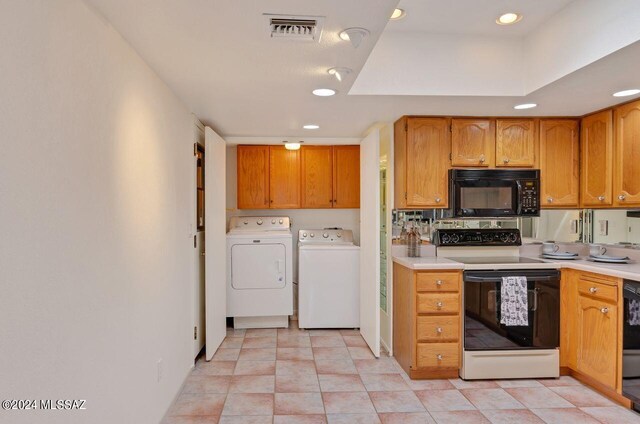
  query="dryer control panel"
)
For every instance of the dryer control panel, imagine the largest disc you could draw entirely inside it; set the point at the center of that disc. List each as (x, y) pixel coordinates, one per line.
(325, 235)
(260, 223)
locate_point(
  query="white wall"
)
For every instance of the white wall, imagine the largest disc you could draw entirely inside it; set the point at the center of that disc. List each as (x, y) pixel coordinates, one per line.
(300, 218)
(96, 260)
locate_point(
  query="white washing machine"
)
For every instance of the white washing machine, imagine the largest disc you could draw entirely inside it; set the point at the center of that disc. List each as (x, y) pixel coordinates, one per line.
(328, 279)
(259, 272)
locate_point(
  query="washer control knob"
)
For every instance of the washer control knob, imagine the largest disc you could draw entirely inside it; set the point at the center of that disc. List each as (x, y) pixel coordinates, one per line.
(339, 235)
(304, 234)
(259, 222)
(280, 221)
(273, 221)
(312, 235)
(325, 235)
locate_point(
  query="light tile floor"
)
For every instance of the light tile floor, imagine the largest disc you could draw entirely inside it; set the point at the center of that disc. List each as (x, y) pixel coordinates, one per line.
(291, 376)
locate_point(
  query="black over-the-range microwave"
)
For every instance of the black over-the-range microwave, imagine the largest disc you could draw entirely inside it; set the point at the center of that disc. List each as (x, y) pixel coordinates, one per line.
(494, 193)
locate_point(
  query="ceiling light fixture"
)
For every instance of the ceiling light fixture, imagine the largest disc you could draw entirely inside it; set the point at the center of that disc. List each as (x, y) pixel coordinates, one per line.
(525, 106)
(311, 127)
(625, 93)
(292, 145)
(398, 14)
(339, 73)
(355, 35)
(508, 18)
(324, 92)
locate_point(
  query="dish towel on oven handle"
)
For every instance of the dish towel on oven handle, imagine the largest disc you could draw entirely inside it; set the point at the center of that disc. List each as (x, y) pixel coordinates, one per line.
(634, 312)
(514, 301)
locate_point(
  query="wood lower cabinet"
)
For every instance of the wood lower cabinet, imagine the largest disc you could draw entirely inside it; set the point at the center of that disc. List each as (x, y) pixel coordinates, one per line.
(422, 148)
(516, 143)
(346, 177)
(626, 177)
(253, 177)
(590, 316)
(313, 177)
(596, 160)
(559, 163)
(317, 177)
(473, 142)
(284, 178)
(426, 322)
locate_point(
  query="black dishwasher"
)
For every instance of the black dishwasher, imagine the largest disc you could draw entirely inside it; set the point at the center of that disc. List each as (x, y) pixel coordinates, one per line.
(631, 343)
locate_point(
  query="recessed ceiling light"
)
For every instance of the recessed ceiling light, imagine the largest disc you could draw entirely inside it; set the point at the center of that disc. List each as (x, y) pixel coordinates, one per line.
(625, 93)
(339, 73)
(508, 18)
(355, 35)
(324, 92)
(311, 127)
(292, 145)
(398, 14)
(525, 106)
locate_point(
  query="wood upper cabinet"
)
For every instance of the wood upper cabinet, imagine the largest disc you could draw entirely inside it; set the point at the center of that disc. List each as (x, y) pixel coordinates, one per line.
(253, 177)
(626, 177)
(596, 160)
(516, 143)
(284, 178)
(422, 149)
(597, 340)
(346, 176)
(473, 142)
(559, 163)
(317, 177)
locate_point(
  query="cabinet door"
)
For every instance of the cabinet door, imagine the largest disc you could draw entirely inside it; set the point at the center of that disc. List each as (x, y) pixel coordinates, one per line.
(597, 340)
(317, 176)
(427, 160)
(473, 142)
(516, 143)
(346, 180)
(253, 177)
(627, 145)
(284, 178)
(559, 163)
(596, 146)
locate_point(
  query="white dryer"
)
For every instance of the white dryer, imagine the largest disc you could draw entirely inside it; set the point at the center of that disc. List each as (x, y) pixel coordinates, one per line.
(259, 272)
(328, 279)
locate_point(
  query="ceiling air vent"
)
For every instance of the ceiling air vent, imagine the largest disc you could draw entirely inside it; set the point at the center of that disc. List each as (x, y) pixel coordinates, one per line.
(304, 28)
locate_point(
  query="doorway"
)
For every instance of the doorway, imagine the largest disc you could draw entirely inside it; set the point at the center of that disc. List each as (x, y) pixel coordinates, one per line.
(199, 245)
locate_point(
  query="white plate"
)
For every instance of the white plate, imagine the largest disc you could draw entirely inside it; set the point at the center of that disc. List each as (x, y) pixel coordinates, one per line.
(563, 257)
(609, 260)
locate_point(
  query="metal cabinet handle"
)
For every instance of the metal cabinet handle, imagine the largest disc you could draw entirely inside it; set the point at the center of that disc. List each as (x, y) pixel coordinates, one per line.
(439, 305)
(438, 282)
(482, 159)
(604, 310)
(593, 289)
(601, 198)
(439, 330)
(438, 200)
(622, 197)
(505, 160)
(439, 357)
(550, 199)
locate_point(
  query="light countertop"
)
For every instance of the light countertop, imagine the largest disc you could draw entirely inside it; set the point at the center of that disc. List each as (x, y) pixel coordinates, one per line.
(630, 271)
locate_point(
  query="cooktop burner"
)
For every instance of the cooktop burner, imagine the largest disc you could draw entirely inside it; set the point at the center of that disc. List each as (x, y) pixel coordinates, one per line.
(497, 260)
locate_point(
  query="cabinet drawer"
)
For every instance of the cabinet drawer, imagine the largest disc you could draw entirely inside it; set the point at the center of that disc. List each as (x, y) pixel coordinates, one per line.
(438, 328)
(437, 303)
(598, 290)
(437, 281)
(441, 355)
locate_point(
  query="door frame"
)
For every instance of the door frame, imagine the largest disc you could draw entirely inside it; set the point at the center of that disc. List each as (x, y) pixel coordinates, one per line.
(199, 322)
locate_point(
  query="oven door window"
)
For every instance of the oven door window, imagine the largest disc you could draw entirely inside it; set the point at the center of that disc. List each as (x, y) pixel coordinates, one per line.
(482, 328)
(486, 198)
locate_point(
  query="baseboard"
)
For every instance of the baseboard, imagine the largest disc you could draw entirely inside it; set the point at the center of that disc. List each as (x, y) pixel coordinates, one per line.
(601, 388)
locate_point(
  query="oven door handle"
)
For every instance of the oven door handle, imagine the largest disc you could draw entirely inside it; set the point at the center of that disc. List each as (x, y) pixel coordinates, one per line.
(474, 279)
(519, 210)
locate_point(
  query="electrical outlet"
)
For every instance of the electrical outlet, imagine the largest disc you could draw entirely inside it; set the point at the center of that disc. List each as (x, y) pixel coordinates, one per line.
(604, 227)
(160, 369)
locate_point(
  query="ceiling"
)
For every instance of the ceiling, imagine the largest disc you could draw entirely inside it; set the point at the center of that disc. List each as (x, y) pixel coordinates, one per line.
(474, 16)
(217, 56)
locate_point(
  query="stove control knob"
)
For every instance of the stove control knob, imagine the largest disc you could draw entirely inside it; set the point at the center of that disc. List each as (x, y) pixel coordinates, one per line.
(513, 238)
(455, 238)
(325, 235)
(504, 237)
(445, 238)
(259, 222)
